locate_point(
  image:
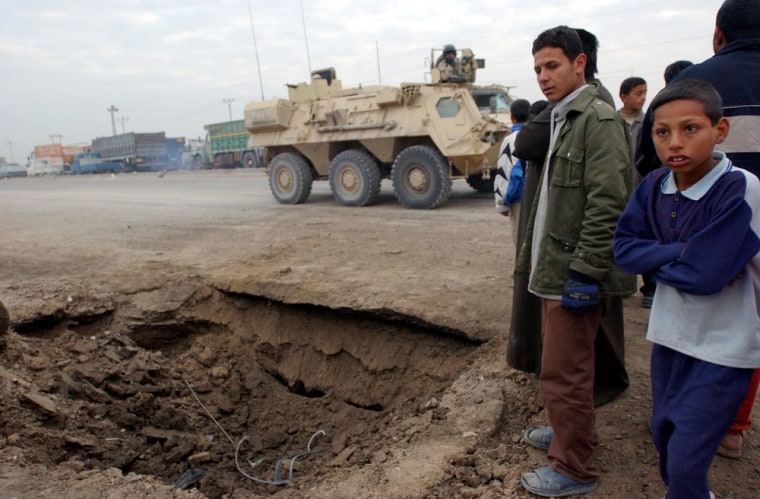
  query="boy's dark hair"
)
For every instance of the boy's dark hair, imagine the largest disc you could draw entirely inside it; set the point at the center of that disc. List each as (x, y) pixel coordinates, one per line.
(538, 106)
(590, 48)
(689, 89)
(739, 19)
(560, 37)
(629, 83)
(674, 68)
(520, 110)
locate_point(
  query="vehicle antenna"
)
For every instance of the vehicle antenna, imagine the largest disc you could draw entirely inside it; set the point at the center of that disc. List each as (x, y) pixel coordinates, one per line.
(303, 20)
(255, 50)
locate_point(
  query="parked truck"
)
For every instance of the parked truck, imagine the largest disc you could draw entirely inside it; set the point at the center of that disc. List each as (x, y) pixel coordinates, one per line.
(55, 152)
(226, 146)
(91, 162)
(175, 147)
(420, 135)
(44, 166)
(134, 151)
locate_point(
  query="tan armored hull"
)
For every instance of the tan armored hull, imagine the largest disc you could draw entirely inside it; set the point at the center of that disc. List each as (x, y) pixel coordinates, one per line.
(419, 135)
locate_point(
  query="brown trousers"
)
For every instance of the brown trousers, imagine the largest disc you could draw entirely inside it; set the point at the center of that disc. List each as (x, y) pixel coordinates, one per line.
(567, 383)
(524, 342)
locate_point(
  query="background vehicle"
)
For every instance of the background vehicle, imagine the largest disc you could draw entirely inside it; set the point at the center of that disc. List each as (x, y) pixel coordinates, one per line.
(12, 170)
(44, 166)
(56, 151)
(134, 151)
(226, 146)
(420, 135)
(91, 162)
(175, 147)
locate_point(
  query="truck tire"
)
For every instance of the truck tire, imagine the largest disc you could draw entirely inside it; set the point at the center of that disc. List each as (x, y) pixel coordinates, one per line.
(354, 178)
(480, 184)
(290, 178)
(249, 159)
(421, 178)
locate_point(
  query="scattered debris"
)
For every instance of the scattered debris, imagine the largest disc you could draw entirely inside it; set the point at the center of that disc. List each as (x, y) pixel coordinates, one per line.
(189, 478)
(289, 460)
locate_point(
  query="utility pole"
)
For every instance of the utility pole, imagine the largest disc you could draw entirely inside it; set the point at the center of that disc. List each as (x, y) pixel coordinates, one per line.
(123, 119)
(113, 109)
(10, 146)
(229, 105)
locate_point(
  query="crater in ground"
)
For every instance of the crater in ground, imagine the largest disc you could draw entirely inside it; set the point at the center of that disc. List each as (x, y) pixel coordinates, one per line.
(177, 389)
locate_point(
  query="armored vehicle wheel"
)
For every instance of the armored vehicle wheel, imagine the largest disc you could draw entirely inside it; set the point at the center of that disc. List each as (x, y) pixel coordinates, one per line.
(354, 178)
(249, 160)
(290, 178)
(421, 178)
(479, 183)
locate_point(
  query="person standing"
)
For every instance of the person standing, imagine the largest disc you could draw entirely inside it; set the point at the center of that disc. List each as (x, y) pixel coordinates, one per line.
(567, 253)
(524, 341)
(734, 71)
(694, 225)
(736, 44)
(510, 174)
(672, 69)
(633, 94)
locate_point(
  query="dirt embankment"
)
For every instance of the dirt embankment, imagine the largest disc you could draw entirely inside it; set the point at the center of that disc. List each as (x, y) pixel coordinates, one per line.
(158, 322)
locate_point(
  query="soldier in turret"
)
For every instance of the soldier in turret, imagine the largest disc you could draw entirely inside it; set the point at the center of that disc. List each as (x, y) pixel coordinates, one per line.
(448, 63)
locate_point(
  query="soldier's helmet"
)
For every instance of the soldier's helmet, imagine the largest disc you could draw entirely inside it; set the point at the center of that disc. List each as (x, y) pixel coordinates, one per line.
(449, 48)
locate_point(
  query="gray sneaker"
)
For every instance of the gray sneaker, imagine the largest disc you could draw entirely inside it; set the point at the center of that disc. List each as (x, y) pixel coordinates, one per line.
(546, 482)
(539, 436)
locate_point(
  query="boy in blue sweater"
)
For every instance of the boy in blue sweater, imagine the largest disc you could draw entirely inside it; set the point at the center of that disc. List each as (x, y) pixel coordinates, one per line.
(694, 226)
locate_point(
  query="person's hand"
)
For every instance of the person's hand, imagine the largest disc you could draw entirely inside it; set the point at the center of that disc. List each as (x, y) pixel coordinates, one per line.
(581, 293)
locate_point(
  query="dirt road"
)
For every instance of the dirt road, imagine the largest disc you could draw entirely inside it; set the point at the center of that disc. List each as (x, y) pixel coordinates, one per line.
(157, 321)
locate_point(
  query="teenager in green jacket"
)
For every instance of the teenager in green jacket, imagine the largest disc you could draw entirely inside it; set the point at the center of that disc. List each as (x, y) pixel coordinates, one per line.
(568, 249)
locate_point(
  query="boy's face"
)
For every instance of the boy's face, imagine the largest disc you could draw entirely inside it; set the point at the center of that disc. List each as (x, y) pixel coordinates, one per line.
(684, 139)
(557, 75)
(634, 101)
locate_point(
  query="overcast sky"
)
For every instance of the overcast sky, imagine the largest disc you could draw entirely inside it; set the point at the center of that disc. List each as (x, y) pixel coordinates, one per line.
(169, 65)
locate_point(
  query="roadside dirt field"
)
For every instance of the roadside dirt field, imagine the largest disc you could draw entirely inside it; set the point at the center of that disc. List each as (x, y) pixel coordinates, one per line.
(164, 328)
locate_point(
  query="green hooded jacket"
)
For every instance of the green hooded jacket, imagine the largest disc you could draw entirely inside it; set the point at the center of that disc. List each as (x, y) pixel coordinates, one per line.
(591, 179)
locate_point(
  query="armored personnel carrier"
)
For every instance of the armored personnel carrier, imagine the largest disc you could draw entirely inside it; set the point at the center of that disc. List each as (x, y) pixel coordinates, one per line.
(420, 135)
